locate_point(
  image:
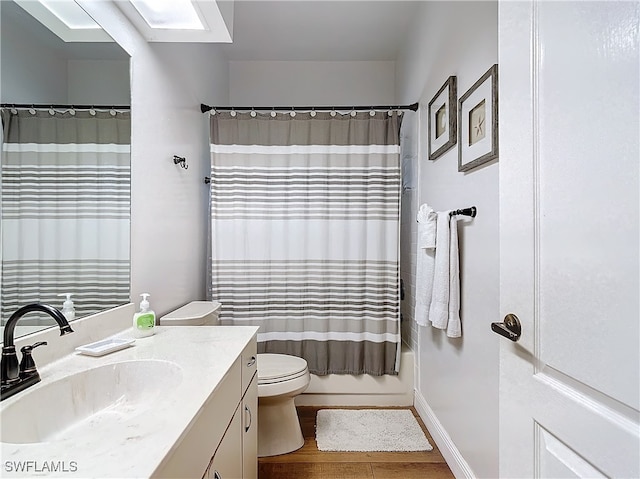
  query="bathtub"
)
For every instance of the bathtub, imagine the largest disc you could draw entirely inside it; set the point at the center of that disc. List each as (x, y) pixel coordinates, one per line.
(362, 390)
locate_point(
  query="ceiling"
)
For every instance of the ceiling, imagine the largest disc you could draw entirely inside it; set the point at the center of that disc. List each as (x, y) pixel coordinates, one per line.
(293, 30)
(319, 30)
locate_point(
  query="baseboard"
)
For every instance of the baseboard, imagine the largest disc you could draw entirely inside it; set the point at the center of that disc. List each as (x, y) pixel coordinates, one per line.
(448, 449)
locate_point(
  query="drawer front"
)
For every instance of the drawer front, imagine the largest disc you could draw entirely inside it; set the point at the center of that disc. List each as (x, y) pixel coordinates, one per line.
(193, 454)
(249, 363)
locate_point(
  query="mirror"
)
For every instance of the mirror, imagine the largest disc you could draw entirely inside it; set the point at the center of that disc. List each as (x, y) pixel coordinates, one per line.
(38, 68)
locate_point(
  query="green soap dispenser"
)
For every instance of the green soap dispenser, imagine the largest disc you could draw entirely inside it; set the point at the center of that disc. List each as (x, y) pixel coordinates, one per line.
(145, 320)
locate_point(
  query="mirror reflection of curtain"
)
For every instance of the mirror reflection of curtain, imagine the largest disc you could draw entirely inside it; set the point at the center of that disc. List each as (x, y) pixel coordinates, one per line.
(305, 227)
(65, 209)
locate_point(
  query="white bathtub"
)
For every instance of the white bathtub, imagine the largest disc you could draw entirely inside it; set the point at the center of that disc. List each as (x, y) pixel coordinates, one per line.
(362, 390)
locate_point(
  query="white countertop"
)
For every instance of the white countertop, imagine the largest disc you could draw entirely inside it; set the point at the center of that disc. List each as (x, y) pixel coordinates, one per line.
(134, 446)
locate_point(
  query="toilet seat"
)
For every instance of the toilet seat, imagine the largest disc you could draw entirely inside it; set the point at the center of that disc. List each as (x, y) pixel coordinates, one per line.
(278, 368)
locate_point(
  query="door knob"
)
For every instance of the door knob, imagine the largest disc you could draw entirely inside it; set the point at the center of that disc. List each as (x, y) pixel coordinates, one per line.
(510, 328)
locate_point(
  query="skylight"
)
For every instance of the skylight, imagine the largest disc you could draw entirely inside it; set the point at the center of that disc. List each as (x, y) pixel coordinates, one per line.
(71, 14)
(169, 14)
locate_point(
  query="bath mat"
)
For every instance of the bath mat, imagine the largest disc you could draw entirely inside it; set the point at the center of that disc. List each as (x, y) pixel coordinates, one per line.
(369, 430)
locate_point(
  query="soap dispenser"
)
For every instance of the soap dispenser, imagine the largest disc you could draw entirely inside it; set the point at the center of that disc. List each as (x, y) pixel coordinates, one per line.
(68, 309)
(145, 320)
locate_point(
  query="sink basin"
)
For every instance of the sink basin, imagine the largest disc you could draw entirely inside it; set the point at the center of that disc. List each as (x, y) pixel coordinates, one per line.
(91, 399)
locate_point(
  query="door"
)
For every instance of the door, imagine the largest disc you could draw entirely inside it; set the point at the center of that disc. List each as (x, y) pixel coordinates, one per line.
(569, 215)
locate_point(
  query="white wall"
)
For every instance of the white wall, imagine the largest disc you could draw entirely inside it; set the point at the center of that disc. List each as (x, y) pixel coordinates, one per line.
(168, 204)
(311, 83)
(457, 379)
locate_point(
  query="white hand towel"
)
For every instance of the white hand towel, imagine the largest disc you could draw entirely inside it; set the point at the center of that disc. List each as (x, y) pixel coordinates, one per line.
(454, 328)
(425, 262)
(426, 227)
(439, 309)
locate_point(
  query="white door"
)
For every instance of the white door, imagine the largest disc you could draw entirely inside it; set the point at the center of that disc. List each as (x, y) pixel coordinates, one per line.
(569, 254)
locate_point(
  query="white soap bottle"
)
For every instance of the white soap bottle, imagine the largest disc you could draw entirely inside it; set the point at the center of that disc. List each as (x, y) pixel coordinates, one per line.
(144, 321)
(68, 309)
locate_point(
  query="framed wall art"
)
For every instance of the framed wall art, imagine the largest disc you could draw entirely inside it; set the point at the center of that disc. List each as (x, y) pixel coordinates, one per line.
(478, 122)
(443, 119)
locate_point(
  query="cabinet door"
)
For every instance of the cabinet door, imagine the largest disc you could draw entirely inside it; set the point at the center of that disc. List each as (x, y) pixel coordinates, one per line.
(250, 431)
(227, 461)
(191, 456)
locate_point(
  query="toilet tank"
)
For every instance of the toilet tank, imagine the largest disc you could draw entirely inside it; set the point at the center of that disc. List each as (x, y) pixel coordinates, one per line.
(195, 313)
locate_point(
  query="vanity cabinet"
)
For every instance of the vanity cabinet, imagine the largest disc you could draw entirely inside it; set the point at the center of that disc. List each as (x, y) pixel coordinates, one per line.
(222, 442)
(237, 455)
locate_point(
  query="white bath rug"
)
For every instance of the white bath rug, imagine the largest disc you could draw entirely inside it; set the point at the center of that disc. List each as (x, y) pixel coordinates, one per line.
(369, 430)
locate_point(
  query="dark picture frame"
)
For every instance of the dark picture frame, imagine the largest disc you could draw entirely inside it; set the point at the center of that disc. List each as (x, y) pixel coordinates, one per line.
(478, 121)
(443, 119)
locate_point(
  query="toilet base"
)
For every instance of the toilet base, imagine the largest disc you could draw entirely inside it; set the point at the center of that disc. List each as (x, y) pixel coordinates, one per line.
(278, 426)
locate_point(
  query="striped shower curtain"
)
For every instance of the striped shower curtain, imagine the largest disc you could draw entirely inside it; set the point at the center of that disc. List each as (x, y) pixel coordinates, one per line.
(304, 235)
(65, 209)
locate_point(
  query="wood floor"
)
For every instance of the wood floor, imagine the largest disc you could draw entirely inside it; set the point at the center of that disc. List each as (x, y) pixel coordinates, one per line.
(309, 463)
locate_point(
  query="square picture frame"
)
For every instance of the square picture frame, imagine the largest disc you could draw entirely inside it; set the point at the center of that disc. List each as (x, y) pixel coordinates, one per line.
(443, 119)
(478, 122)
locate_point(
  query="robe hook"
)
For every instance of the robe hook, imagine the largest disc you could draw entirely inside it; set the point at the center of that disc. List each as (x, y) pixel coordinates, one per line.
(181, 161)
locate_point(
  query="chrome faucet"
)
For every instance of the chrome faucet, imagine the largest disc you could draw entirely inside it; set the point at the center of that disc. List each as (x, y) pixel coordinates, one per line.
(16, 378)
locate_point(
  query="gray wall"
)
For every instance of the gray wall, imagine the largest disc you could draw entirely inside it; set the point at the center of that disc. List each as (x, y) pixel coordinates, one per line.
(309, 83)
(32, 71)
(457, 379)
(38, 67)
(98, 82)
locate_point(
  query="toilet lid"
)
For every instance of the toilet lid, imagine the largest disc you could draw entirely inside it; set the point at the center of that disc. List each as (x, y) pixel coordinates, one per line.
(279, 367)
(191, 314)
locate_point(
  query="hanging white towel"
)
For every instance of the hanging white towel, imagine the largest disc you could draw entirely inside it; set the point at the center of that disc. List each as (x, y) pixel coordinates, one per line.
(439, 309)
(426, 227)
(425, 263)
(454, 328)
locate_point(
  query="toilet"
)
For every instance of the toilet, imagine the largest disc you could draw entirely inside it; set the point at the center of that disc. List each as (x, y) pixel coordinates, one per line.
(281, 378)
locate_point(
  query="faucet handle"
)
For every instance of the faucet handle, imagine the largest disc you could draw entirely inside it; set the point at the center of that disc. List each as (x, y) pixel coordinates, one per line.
(27, 365)
(27, 349)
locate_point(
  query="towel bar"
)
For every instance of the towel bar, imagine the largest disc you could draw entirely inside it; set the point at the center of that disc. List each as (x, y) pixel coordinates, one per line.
(465, 212)
(471, 211)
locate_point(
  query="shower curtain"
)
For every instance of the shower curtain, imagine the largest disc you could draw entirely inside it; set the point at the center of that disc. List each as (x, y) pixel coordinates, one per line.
(65, 209)
(304, 235)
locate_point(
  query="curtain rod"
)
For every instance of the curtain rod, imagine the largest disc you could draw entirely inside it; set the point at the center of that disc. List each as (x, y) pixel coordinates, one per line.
(205, 108)
(54, 105)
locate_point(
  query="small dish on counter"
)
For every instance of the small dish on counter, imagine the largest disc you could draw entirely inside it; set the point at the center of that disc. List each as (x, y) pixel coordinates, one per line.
(105, 346)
